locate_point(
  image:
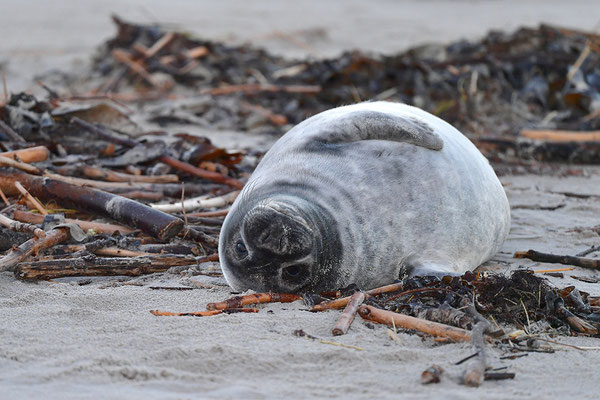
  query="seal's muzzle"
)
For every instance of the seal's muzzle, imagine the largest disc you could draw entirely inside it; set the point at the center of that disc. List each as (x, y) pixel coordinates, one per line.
(278, 230)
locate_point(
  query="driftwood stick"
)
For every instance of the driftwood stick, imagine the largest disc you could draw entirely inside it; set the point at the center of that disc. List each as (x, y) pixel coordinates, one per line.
(21, 227)
(203, 313)
(374, 314)
(10, 162)
(108, 186)
(109, 251)
(498, 376)
(198, 202)
(576, 323)
(11, 133)
(142, 195)
(589, 263)
(201, 173)
(588, 251)
(159, 313)
(33, 246)
(561, 136)
(31, 199)
(169, 189)
(343, 323)
(475, 373)
(253, 88)
(342, 301)
(32, 218)
(112, 176)
(196, 52)
(98, 266)
(199, 236)
(160, 44)
(135, 66)
(545, 271)
(29, 155)
(132, 213)
(240, 301)
(218, 213)
(59, 251)
(103, 132)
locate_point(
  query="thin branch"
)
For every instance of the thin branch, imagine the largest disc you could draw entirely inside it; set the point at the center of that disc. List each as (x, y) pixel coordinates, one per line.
(11, 133)
(31, 199)
(33, 246)
(589, 263)
(240, 301)
(374, 314)
(198, 202)
(28, 155)
(343, 323)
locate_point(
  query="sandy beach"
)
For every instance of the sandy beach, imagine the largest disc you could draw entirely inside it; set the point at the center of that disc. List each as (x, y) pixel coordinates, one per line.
(95, 338)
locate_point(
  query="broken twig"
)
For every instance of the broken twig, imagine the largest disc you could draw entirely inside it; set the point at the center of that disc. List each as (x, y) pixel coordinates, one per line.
(374, 314)
(33, 246)
(345, 320)
(589, 263)
(29, 155)
(21, 227)
(30, 198)
(98, 227)
(561, 136)
(198, 202)
(257, 298)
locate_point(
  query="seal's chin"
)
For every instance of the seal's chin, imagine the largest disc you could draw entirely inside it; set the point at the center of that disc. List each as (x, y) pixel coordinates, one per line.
(293, 278)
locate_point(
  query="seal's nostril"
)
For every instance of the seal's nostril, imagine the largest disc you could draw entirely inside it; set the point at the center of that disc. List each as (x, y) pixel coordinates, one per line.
(295, 274)
(293, 270)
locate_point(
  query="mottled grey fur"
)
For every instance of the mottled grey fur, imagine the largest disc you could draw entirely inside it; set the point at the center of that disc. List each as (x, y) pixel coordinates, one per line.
(360, 194)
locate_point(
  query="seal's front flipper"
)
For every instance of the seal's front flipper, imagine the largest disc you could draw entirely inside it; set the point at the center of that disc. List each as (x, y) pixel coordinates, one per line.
(430, 268)
(376, 125)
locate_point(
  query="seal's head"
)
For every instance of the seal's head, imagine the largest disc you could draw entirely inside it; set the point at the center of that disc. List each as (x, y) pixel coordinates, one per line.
(276, 244)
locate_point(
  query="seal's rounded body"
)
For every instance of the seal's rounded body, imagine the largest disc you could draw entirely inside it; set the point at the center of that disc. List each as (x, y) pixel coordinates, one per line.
(360, 194)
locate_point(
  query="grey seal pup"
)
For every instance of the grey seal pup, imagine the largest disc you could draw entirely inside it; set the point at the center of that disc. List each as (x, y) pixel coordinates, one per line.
(363, 194)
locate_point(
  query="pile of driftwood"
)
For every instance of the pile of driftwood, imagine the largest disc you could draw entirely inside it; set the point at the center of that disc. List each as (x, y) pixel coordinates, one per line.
(515, 95)
(67, 178)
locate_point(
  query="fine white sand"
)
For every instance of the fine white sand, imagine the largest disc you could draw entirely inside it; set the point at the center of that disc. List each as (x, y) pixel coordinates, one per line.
(62, 340)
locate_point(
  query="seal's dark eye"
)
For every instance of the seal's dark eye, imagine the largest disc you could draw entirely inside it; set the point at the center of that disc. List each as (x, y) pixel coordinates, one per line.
(240, 249)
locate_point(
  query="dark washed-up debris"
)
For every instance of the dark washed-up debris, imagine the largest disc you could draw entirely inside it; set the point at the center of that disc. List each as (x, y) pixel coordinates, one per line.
(545, 77)
(520, 300)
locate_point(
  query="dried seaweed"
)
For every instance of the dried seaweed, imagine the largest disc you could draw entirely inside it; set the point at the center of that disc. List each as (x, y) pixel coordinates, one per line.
(520, 300)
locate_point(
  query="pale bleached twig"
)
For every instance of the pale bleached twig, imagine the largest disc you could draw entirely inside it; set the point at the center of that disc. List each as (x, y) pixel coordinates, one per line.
(31, 199)
(197, 203)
